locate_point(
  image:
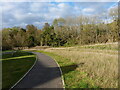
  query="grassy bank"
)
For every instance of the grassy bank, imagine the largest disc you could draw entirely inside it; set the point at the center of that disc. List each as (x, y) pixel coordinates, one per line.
(14, 66)
(97, 67)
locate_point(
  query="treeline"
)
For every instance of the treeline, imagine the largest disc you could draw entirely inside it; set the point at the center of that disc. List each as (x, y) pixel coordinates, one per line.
(63, 32)
(30, 37)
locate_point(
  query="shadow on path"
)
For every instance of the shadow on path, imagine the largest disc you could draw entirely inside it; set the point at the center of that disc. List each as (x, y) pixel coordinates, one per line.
(45, 74)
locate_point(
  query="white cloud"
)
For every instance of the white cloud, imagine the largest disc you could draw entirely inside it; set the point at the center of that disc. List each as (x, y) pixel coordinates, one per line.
(7, 7)
(37, 7)
(59, 10)
(88, 10)
(25, 13)
(61, 5)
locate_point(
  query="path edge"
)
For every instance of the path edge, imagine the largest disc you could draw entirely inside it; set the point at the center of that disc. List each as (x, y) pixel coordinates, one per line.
(59, 69)
(24, 74)
(61, 74)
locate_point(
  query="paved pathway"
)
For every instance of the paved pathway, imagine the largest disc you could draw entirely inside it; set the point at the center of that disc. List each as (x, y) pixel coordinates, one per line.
(45, 74)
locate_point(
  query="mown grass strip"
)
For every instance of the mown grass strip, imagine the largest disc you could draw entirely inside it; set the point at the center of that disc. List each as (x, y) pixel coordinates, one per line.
(101, 47)
(14, 58)
(13, 70)
(15, 54)
(8, 51)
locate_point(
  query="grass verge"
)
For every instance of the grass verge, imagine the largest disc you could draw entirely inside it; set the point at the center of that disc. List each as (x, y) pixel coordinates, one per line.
(100, 65)
(14, 69)
(72, 77)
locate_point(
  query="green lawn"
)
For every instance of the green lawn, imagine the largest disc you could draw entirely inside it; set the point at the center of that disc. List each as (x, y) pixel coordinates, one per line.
(14, 66)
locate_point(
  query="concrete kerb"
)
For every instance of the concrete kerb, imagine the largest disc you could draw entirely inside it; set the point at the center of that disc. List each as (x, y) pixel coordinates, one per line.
(61, 74)
(24, 74)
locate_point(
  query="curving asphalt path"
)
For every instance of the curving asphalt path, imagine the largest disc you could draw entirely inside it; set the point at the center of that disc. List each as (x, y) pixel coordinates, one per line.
(45, 74)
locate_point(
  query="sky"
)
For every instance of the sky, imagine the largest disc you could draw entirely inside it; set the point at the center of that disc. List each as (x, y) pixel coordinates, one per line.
(38, 13)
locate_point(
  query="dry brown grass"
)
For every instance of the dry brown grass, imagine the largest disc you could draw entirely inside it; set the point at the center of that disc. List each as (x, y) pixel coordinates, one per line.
(100, 65)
